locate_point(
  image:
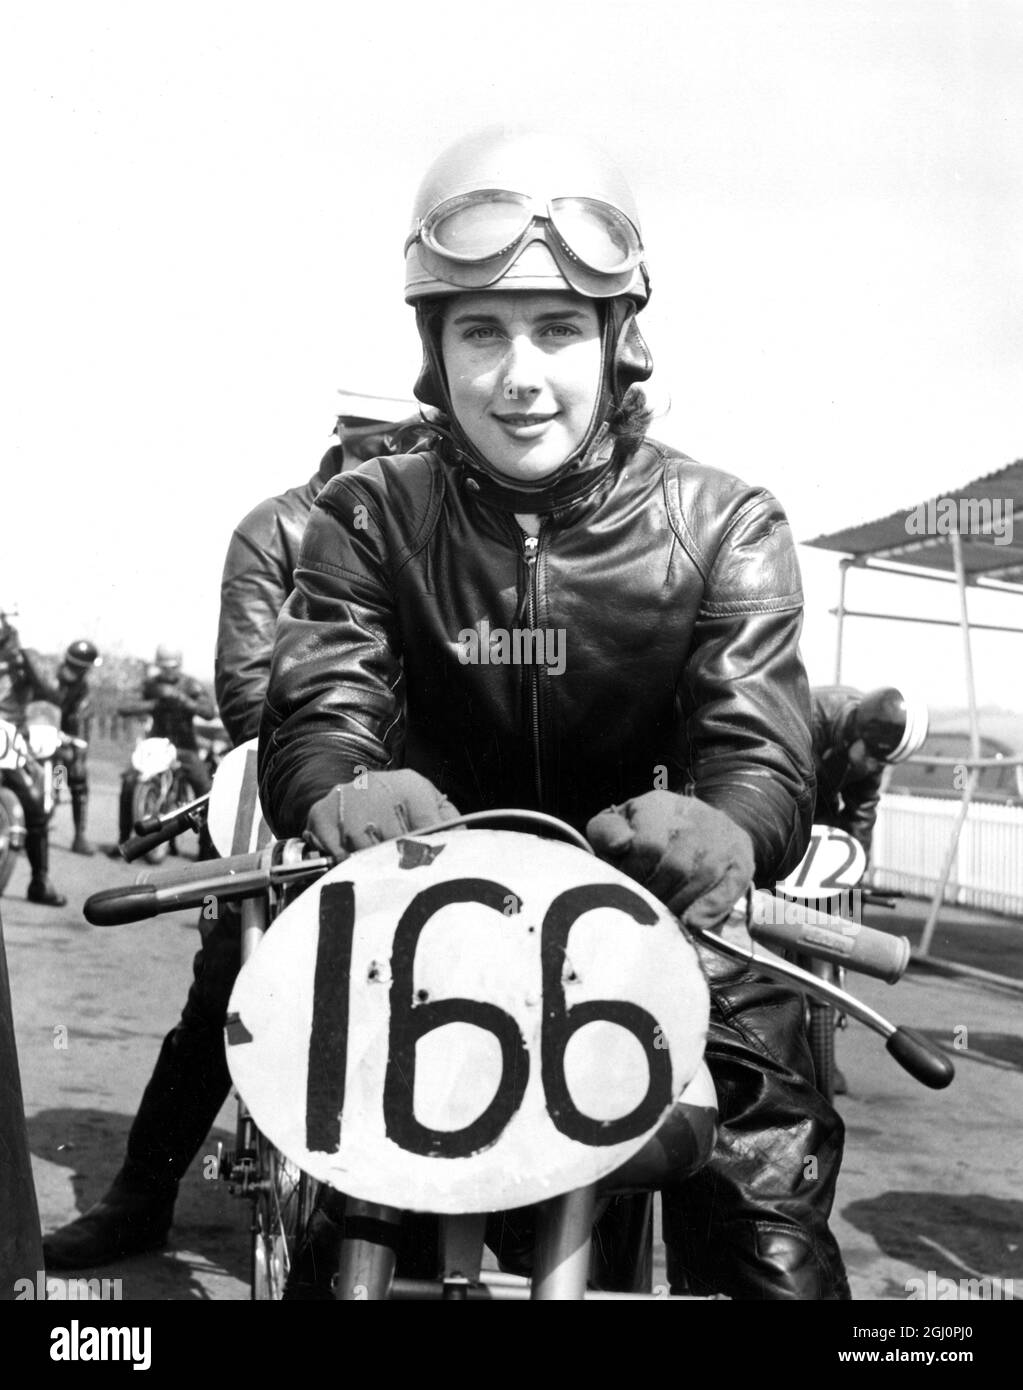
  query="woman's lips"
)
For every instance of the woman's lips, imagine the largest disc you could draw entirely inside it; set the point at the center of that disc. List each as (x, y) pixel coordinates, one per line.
(524, 426)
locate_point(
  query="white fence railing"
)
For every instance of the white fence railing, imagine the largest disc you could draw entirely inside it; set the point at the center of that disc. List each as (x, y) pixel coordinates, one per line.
(911, 839)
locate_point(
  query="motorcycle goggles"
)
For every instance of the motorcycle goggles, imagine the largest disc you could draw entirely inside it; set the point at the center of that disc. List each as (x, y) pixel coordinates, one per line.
(472, 239)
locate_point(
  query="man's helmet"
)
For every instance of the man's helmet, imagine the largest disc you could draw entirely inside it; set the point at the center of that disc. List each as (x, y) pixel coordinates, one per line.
(168, 657)
(82, 656)
(892, 726)
(526, 210)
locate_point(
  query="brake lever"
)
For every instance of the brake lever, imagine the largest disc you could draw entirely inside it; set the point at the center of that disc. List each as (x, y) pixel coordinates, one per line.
(913, 1052)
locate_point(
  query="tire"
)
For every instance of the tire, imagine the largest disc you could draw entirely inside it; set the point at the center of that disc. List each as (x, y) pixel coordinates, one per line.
(149, 799)
(8, 855)
(181, 794)
(821, 1029)
(283, 1207)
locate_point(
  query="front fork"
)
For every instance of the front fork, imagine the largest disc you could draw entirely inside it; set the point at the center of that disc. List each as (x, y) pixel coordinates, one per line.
(240, 1169)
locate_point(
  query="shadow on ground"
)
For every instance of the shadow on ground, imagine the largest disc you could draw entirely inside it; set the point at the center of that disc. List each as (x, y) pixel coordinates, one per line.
(956, 1235)
(209, 1237)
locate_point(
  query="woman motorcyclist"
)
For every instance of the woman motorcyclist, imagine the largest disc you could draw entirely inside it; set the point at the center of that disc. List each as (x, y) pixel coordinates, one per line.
(81, 658)
(672, 722)
(22, 680)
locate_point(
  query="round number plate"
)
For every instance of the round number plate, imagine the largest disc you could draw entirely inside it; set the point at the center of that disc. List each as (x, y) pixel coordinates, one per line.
(833, 863)
(470, 1021)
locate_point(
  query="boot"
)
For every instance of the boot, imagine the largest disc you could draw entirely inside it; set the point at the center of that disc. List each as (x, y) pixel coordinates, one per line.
(127, 1220)
(40, 889)
(81, 844)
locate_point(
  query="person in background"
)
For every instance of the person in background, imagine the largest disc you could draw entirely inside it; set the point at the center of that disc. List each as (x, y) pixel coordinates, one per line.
(80, 659)
(855, 737)
(177, 699)
(22, 680)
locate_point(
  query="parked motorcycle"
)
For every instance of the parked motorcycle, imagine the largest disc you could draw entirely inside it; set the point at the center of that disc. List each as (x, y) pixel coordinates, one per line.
(452, 1024)
(36, 753)
(156, 782)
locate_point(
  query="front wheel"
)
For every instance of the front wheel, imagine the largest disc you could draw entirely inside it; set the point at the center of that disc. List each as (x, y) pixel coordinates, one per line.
(283, 1205)
(149, 798)
(9, 824)
(821, 1028)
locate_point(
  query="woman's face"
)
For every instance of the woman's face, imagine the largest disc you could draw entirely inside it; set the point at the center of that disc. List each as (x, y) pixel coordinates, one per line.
(523, 374)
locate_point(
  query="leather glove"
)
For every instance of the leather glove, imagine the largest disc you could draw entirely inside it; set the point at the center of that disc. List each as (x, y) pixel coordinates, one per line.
(691, 856)
(354, 816)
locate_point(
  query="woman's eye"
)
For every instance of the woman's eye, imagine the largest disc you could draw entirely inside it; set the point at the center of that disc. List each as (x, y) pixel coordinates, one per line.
(482, 333)
(561, 330)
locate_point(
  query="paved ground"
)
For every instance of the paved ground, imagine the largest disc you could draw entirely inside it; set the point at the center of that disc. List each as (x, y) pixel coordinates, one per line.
(932, 1181)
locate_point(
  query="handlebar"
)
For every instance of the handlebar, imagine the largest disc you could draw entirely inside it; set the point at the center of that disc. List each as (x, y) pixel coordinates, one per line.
(284, 862)
(228, 880)
(151, 831)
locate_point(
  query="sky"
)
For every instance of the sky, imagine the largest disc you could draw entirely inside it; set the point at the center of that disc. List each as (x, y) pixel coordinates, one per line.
(205, 211)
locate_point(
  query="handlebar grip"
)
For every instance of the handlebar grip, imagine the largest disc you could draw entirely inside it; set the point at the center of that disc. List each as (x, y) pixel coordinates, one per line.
(781, 922)
(138, 845)
(917, 1055)
(115, 906)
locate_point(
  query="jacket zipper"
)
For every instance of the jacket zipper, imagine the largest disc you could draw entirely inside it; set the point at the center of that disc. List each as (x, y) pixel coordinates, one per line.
(531, 548)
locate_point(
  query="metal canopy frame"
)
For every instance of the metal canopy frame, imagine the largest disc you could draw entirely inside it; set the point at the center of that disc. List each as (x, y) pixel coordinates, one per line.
(921, 543)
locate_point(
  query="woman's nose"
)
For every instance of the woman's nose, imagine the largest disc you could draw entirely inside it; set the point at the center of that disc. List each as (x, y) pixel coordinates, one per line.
(523, 373)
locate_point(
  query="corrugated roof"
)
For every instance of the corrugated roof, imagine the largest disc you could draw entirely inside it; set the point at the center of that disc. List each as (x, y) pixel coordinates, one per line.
(984, 512)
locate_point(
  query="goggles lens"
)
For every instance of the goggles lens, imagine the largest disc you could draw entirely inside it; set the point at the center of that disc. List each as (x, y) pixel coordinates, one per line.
(488, 223)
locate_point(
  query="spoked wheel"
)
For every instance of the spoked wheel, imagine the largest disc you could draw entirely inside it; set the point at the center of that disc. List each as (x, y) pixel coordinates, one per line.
(148, 799)
(821, 1028)
(283, 1206)
(8, 853)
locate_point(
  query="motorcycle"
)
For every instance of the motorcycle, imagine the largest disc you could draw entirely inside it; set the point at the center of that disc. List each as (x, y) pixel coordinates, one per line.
(36, 753)
(464, 1021)
(157, 783)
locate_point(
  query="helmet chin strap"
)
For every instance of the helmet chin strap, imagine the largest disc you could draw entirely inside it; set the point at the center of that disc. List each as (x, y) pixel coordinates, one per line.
(624, 359)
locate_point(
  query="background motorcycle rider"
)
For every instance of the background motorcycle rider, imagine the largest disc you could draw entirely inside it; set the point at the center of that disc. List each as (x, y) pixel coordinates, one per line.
(677, 590)
(177, 699)
(23, 680)
(855, 737)
(190, 1081)
(72, 696)
(172, 700)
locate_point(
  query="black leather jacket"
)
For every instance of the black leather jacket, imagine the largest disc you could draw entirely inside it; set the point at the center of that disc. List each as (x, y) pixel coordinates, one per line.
(257, 578)
(672, 588)
(176, 701)
(259, 575)
(845, 801)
